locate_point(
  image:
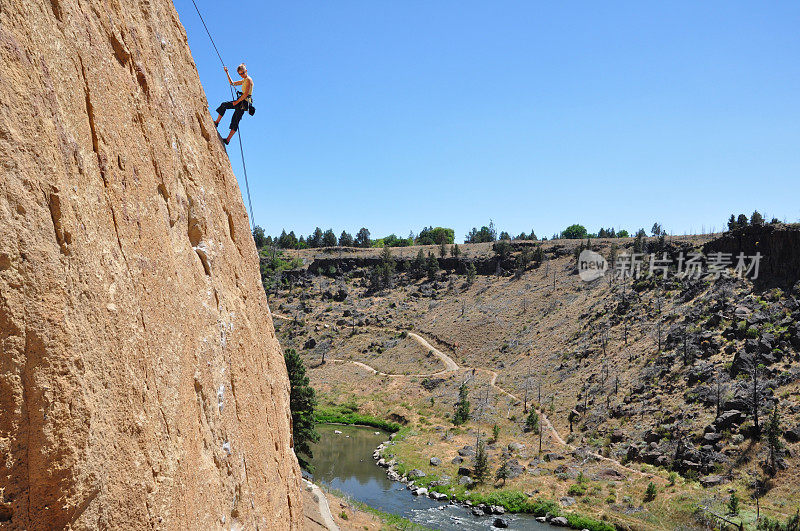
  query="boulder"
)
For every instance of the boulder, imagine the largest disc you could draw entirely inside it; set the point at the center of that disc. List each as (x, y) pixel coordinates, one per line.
(467, 451)
(567, 501)
(500, 523)
(464, 471)
(457, 460)
(559, 521)
(515, 469)
(416, 473)
(610, 474)
(465, 481)
(477, 512)
(435, 461)
(711, 480)
(729, 419)
(792, 435)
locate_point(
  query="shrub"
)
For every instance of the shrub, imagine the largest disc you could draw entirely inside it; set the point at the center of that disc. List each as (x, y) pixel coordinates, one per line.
(752, 333)
(733, 504)
(578, 489)
(650, 493)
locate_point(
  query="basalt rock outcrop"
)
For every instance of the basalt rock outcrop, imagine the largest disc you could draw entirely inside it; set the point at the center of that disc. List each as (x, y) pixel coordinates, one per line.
(778, 243)
(141, 383)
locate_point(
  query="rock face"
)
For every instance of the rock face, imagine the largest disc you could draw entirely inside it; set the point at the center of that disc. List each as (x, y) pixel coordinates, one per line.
(141, 384)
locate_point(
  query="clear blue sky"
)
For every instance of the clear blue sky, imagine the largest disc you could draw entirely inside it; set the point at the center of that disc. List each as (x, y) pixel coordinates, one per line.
(396, 115)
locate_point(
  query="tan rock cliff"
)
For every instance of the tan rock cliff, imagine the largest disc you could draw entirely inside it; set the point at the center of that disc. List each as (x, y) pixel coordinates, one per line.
(141, 384)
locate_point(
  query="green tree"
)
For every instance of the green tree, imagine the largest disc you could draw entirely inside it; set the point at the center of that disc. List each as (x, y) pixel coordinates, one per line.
(486, 234)
(756, 219)
(287, 241)
(302, 401)
(656, 230)
(455, 251)
(623, 234)
(259, 238)
(461, 414)
(436, 236)
(329, 238)
(442, 250)
(638, 243)
(503, 472)
(650, 493)
(471, 274)
(502, 249)
(345, 239)
(362, 238)
(505, 236)
(532, 422)
(481, 469)
(733, 504)
(495, 433)
(574, 232)
(418, 265)
(732, 225)
(741, 221)
(315, 239)
(432, 266)
(774, 438)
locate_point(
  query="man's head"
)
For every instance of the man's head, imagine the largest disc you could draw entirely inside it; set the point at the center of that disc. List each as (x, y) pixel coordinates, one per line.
(242, 69)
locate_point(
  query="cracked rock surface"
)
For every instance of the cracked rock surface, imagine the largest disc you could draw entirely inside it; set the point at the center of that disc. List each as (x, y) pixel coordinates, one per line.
(141, 383)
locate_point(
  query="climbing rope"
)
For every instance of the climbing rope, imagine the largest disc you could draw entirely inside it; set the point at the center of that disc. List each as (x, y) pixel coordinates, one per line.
(238, 131)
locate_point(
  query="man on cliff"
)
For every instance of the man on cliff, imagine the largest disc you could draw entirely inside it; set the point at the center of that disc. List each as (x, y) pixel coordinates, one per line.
(240, 105)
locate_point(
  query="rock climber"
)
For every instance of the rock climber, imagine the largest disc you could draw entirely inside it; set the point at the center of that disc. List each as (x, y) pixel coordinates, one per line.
(240, 105)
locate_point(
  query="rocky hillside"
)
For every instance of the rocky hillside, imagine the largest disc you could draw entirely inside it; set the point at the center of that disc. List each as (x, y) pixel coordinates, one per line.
(141, 383)
(670, 380)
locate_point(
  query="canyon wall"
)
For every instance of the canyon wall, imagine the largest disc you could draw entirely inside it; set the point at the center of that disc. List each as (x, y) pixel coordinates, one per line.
(141, 383)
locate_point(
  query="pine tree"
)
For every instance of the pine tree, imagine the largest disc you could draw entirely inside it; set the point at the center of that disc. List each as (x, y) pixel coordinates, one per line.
(455, 251)
(418, 266)
(461, 414)
(733, 504)
(650, 493)
(302, 401)
(345, 239)
(503, 471)
(442, 250)
(481, 469)
(532, 422)
(432, 266)
(495, 433)
(471, 274)
(774, 437)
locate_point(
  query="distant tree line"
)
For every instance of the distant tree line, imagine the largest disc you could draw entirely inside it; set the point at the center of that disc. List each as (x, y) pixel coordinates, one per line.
(741, 221)
(322, 239)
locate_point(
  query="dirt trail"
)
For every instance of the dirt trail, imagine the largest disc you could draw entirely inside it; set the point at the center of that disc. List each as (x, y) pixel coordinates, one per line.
(452, 366)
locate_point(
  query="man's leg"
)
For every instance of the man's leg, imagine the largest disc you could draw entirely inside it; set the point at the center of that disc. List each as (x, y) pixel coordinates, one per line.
(225, 105)
(237, 116)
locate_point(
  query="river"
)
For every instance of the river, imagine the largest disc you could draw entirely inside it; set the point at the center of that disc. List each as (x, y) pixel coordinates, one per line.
(344, 462)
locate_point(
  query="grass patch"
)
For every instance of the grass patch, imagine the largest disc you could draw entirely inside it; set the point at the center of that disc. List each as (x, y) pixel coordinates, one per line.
(340, 414)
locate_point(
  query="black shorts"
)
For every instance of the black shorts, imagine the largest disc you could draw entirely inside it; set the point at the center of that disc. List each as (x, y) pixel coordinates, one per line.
(238, 112)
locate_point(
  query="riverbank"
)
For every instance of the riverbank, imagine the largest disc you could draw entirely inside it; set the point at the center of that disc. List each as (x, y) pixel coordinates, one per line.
(498, 502)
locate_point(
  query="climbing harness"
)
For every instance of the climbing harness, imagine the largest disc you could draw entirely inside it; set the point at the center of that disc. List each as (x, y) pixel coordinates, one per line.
(238, 131)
